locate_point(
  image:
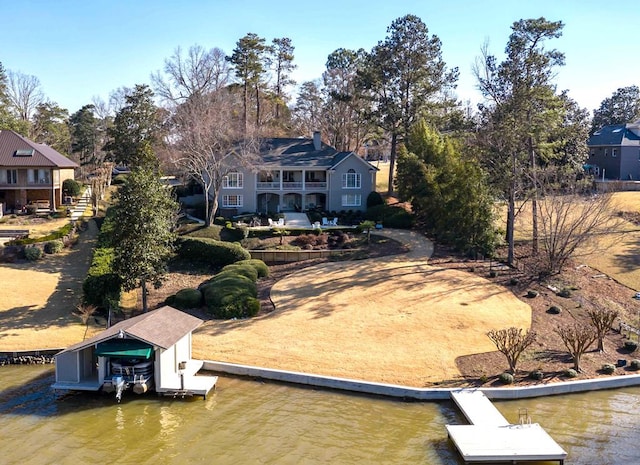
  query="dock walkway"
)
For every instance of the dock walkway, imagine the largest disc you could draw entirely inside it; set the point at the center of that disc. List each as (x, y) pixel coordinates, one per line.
(491, 438)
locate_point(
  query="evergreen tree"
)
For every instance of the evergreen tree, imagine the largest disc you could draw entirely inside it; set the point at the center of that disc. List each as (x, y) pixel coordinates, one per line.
(50, 126)
(144, 219)
(622, 107)
(281, 51)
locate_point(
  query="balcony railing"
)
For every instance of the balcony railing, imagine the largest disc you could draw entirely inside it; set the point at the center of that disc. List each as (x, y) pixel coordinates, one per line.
(291, 186)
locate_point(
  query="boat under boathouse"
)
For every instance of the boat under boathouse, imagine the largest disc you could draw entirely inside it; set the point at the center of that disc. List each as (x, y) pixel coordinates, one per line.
(151, 351)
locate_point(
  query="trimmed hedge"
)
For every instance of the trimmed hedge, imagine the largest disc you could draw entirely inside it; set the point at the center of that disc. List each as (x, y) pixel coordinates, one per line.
(101, 285)
(390, 217)
(59, 234)
(185, 299)
(215, 254)
(231, 295)
(212, 232)
(260, 266)
(244, 269)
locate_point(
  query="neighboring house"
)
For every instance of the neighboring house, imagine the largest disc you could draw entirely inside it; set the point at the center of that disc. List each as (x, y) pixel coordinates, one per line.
(297, 175)
(31, 172)
(614, 152)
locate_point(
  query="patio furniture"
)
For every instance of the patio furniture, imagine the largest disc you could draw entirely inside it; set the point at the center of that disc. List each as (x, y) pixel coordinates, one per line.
(271, 223)
(325, 222)
(334, 222)
(280, 221)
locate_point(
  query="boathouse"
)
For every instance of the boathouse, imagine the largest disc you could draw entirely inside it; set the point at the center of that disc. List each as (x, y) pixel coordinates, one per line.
(151, 351)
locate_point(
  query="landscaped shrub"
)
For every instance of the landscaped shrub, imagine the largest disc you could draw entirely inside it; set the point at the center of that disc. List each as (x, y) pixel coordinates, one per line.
(565, 292)
(244, 269)
(634, 365)
(536, 374)
(532, 294)
(571, 373)
(374, 198)
(310, 241)
(71, 187)
(32, 253)
(212, 232)
(229, 295)
(514, 281)
(59, 234)
(390, 217)
(53, 247)
(118, 179)
(506, 378)
(554, 310)
(260, 266)
(234, 234)
(630, 346)
(608, 368)
(101, 285)
(185, 299)
(215, 254)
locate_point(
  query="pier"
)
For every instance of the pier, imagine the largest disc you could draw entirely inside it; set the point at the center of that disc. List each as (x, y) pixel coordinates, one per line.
(491, 438)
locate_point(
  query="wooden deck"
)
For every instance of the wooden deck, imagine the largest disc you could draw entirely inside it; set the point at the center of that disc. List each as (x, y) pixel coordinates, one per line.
(490, 437)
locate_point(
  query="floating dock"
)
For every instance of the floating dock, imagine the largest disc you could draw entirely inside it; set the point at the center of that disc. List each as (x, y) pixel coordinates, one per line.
(491, 438)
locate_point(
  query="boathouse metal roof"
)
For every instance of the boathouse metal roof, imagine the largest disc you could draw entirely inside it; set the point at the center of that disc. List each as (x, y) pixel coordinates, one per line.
(162, 328)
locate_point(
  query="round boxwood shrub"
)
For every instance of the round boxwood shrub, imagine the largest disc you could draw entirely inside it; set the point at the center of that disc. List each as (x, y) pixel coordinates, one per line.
(244, 269)
(514, 281)
(571, 373)
(186, 298)
(566, 292)
(554, 310)
(507, 378)
(53, 247)
(32, 253)
(630, 346)
(536, 374)
(531, 294)
(374, 198)
(634, 365)
(71, 187)
(231, 295)
(608, 368)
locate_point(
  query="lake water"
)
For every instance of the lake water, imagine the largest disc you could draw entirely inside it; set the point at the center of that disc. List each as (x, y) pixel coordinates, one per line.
(251, 422)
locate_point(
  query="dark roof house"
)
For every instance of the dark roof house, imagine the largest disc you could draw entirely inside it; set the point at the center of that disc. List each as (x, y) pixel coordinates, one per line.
(614, 152)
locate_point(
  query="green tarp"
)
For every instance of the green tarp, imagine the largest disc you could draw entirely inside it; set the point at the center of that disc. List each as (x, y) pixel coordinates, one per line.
(124, 348)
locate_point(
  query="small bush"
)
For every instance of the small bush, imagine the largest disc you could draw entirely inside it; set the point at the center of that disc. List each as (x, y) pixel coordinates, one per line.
(565, 292)
(634, 365)
(53, 247)
(608, 368)
(571, 373)
(483, 379)
(186, 298)
(231, 234)
(532, 294)
(630, 346)
(212, 232)
(493, 274)
(32, 253)
(507, 378)
(244, 269)
(118, 179)
(514, 281)
(71, 187)
(554, 310)
(374, 198)
(230, 295)
(536, 374)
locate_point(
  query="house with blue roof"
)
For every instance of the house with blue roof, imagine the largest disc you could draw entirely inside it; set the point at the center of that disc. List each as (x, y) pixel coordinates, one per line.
(299, 174)
(614, 152)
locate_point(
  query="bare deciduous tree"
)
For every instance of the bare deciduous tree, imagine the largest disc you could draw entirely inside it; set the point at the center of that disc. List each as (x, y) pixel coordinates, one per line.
(577, 338)
(211, 144)
(602, 319)
(24, 94)
(570, 222)
(85, 312)
(199, 72)
(512, 342)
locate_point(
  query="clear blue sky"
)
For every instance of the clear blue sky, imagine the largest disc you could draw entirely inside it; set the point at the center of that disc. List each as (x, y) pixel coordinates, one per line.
(84, 48)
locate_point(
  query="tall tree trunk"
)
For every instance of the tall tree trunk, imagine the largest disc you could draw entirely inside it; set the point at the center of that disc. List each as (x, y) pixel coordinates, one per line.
(511, 213)
(207, 212)
(143, 285)
(244, 108)
(534, 200)
(257, 106)
(392, 160)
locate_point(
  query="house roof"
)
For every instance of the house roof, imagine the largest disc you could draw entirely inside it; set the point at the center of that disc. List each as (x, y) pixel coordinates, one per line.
(300, 152)
(162, 327)
(615, 134)
(19, 151)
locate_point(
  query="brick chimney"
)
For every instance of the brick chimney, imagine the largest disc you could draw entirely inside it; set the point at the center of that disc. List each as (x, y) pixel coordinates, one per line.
(317, 143)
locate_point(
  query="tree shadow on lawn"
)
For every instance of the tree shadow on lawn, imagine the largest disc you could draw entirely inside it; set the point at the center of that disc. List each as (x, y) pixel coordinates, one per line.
(72, 267)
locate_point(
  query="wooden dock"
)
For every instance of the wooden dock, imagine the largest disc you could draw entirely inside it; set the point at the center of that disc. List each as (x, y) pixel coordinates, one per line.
(490, 437)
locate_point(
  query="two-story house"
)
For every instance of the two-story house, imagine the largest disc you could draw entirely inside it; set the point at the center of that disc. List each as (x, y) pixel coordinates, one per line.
(614, 152)
(31, 172)
(297, 174)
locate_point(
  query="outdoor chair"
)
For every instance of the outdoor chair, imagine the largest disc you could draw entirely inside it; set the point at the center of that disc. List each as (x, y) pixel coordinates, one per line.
(325, 222)
(280, 221)
(334, 222)
(271, 223)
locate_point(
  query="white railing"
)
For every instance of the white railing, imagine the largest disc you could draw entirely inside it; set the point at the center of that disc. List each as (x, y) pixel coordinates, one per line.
(268, 185)
(315, 185)
(291, 186)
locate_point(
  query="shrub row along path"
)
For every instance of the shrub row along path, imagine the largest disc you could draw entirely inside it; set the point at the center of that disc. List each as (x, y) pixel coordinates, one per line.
(38, 298)
(393, 319)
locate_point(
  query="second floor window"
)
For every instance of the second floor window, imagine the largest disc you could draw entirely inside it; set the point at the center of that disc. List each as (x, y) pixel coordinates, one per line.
(38, 176)
(232, 181)
(351, 180)
(8, 176)
(614, 152)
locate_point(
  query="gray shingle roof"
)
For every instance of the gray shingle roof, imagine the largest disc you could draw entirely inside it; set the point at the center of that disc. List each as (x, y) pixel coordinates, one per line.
(43, 155)
(162, 327)
(615, 134)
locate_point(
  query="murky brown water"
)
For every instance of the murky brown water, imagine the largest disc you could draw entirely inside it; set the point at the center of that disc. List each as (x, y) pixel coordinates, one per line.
(247, 422)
